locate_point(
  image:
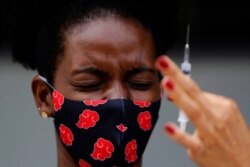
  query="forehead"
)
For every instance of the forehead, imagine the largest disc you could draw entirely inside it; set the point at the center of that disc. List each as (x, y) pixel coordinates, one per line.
(109, 40)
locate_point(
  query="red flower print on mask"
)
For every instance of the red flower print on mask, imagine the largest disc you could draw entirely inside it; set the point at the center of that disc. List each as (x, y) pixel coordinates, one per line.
(142, 103)
(121, 127)
(131, 151)
(58, 100)
(83, 163)
(144, 120)
(103, 149)
(94, 102)
(66, 135)
(87, 119)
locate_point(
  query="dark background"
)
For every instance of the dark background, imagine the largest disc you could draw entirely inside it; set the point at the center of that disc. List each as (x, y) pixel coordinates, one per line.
(216, 22)
(213, 23)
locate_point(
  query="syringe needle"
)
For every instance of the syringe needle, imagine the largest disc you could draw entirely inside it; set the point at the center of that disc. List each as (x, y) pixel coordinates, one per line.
(188, 34)
(186, 49)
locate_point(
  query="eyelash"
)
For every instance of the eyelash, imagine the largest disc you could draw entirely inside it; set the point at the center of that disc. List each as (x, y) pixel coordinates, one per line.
(140, 85)
(91, 86)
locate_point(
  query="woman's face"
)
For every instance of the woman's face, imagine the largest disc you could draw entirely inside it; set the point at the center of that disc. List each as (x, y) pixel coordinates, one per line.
(107, 59)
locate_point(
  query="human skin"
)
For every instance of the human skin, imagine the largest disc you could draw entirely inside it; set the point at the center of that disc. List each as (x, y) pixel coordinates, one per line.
(222, 137)
(112, 50)
(106, 58)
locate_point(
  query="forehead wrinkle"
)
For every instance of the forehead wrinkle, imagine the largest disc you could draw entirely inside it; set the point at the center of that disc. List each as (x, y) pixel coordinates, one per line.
(117, 65)
(107, 49)
(107, 55)
(112, 61)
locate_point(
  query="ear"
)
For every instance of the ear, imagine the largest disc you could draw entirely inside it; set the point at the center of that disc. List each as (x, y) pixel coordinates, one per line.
(42, 97)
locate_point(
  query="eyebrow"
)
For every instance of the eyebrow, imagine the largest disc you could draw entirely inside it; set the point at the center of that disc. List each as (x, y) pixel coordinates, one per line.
(91, 70)
(96, 71)
(141, 70)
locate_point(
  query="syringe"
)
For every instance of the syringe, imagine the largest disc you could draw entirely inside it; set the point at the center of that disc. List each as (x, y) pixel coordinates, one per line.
(186, 69)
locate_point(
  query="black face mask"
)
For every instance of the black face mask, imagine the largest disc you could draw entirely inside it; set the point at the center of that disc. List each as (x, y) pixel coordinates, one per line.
(104, 132)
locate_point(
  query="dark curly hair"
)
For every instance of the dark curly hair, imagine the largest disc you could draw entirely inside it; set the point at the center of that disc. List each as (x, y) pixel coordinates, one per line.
(38, 28)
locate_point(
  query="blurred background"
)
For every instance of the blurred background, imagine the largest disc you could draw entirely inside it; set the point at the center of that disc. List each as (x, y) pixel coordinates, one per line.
(220, 55)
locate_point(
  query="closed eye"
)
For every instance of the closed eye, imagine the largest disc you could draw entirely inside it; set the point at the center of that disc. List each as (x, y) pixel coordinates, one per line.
(141, 78)
(140, 85)
(92, 79)
(88, 86)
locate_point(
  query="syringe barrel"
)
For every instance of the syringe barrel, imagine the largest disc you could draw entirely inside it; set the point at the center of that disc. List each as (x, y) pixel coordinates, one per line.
(182, 117)
(186, 68)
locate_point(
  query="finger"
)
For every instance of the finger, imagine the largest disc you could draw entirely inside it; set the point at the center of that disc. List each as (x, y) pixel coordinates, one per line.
(217, 100)
(169, 68)
(185, 103)
(186, 140)
(226, 112)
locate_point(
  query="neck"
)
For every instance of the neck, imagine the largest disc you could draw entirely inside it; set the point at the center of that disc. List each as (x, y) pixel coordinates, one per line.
(139, 164)
(63, 157)
(65, 160)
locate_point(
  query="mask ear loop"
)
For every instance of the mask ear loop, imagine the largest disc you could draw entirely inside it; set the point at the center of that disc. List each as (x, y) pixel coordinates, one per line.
(46, 81)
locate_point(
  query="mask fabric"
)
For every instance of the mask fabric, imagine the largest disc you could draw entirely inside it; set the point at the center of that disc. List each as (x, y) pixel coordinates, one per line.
(104, 133)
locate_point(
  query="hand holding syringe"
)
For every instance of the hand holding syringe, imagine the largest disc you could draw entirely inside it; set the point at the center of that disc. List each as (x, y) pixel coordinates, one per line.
(186, 69)
(201, 106)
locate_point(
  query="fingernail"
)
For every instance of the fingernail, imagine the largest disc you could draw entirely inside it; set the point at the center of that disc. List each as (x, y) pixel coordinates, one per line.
(170, 99)
(170, 129)
(169, 84)
(163, 63)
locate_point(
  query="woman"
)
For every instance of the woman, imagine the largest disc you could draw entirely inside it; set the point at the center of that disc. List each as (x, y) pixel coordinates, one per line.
(97, 77)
